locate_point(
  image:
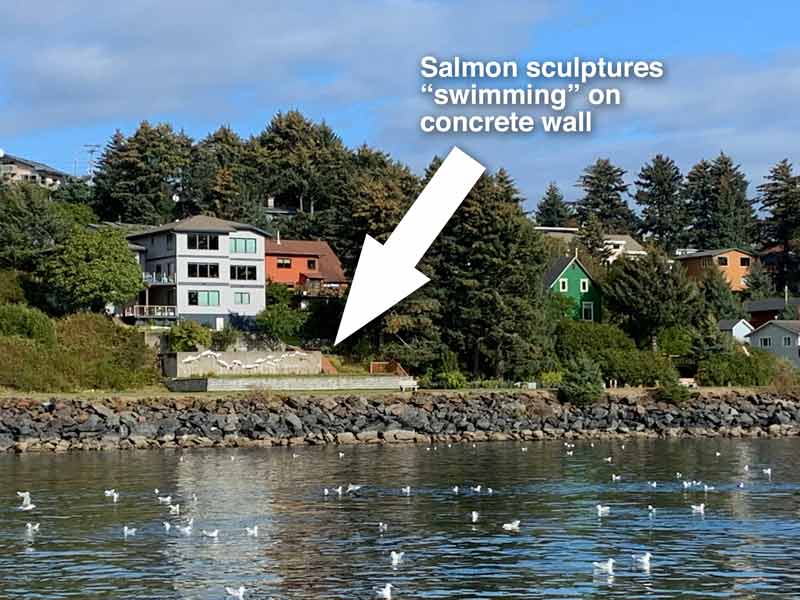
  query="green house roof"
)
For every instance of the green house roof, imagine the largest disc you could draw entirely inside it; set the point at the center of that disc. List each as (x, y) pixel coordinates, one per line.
(561, 264)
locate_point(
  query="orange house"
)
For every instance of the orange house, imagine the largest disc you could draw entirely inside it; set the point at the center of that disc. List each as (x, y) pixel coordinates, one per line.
(308, 266)
(732, 262)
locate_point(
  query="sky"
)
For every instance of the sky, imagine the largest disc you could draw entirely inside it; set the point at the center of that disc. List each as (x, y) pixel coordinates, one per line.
(71, 73)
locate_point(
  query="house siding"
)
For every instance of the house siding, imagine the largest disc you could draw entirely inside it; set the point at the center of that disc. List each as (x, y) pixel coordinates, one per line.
(573, 274)
(776, 334)
(734, 272)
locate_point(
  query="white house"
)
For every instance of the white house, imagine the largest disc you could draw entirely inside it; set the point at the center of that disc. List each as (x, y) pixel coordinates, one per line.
(200, 268)
(781, 338)
(737, 328)
(618, 244)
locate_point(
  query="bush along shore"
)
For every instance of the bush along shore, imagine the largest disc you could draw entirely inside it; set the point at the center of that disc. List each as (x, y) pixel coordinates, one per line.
(426, 417)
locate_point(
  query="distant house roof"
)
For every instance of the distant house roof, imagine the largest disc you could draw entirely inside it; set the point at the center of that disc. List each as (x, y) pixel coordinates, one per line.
(790, 326)
(201, 223)
(769, 304)
(703, 253)
(559, 265)
(729, 324)
(569, 233)
(10, 158)
(328, 266)
(631, 245)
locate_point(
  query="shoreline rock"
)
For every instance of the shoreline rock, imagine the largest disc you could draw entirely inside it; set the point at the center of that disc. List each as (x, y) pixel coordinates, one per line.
(265, 420)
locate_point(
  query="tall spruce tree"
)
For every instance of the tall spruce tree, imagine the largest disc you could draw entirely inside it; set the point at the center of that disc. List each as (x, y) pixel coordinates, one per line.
(723, 216)
(649, 294)
(780, 198)
(138, 177)
(604, 190)
(552, 211)
(665, 212)
(592, 239)
(718, 298)
(760, 284)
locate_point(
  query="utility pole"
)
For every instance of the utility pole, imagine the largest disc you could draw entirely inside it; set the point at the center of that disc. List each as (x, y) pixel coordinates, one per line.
(91, 149)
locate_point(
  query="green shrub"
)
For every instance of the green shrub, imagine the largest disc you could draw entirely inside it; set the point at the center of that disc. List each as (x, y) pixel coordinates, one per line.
(637, 367)
(582, 382)
(20, 320)
(676, 340)
(737, 368)
(11, 291)
(189, 336)
(590, 339)
(673, 392)
(550, 379)
(90, 352)
(224, 338)
(450, 380)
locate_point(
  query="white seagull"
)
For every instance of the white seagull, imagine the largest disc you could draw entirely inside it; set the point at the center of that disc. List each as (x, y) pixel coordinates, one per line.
(236, 592)
(455, 489)
(652, 484)
(174, 509)
(615, 477)
(397, 557)
(474, 516)
(338, 490)
(26, 501)
(126, 531)
(513, 526)
(252, 531)
(602, 511)
(109, 493)
(608, 459)
(115, 497)
(167, 526)
(32, 527)
(767, 472)
(606, 566)
(352, 488)
(210, 534)
(385, 592)
(642, 560)
(477, 489)
(406, 490)
(382, 527)
(698, 509)
(165, 499)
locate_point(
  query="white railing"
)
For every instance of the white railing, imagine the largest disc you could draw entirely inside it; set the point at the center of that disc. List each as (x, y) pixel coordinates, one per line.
(158, 277)
(151, 311)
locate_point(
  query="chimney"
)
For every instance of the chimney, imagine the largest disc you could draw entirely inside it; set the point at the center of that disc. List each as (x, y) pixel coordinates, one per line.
(278, 238)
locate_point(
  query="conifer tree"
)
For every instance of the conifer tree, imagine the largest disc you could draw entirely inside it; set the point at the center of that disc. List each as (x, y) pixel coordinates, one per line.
(552, 211)
(780, 198)
(604, 190)
(760, 284)
(592, 240)
(699, 191)
(718, 298)
(665, 213)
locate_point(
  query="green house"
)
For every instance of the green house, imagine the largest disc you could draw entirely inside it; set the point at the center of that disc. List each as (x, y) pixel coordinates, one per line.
(566, 276)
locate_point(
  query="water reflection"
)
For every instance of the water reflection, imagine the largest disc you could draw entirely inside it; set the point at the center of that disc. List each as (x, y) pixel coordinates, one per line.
(746, 545)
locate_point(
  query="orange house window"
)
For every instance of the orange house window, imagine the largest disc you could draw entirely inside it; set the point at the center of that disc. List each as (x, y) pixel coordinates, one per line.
(284, 263)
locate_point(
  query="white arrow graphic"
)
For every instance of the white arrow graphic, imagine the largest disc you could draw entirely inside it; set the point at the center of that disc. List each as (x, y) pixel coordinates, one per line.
(385, 274)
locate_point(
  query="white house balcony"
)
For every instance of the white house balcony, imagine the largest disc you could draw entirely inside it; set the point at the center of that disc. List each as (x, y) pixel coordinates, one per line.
(151, 311)
(159, 278)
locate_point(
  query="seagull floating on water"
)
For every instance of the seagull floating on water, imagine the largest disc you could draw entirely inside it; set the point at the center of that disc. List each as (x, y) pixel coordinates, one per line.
(477, 489)
(109, 493)
(652, 484)
(115, 497)
(397, 557)
(608, 459)
(341, 454)
(602, 511)
(615, 477)
(26, 501)
(406, 490)
(455, 489)
(32, 527)
(699, 509)
(126, 531)
(325, 492)
(570, 452)
(642, 560)
(174, 509)
(651, 510)
(385, 592)
(382, 527)
(708, 488)
(513, 526)
(165, 499)
(767, 472)
(214, 534)
(167, 526)
(474, 516)
(252, 531)
(352, 488)
(338, 490)
(606, 566)
(236, 592)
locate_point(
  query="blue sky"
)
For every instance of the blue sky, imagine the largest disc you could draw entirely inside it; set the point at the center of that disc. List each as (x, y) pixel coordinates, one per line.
(71, 74)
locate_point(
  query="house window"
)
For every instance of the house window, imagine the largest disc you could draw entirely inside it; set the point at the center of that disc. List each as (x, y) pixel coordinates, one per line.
(203, 298)
(584, 286)
(202, 241)
(765, 342)
(587, 311)
(744, 261)
(563, 285)
(787, 341)
(203, 270)
(243, 273)
(312, 264)
(170, 241)
(284, 263)
(243, 246)
(722, 261)
(241, 298)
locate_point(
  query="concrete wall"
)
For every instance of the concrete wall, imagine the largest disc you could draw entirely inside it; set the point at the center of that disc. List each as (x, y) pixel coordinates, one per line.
(232, 384)
(200, 364)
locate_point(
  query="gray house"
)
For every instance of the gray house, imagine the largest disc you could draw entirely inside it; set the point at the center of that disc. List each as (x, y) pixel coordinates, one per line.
(736, 328)
(201, 268)
(781, 338)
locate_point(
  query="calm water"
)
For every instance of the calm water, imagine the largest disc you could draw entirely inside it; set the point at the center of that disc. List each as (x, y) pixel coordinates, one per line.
(746, 546)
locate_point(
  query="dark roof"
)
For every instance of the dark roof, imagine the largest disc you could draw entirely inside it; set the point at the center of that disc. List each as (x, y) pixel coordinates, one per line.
(555, 269)
(559, 265)
(769, 304)
(791, 326)
(7, 158)
(328, 264)
(201, 223)
(729, 324)
(703, 253)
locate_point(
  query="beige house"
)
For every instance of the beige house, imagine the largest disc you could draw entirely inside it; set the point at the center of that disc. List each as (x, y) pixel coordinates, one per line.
(618, 244)
(14, 169)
